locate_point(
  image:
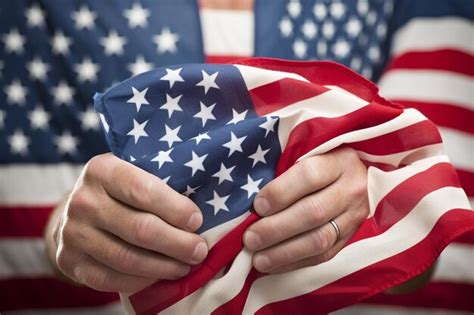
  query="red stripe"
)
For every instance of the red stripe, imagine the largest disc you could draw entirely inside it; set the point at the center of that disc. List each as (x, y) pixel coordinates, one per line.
(23, 221)
(408, 138)
(223, 59)
(445, 115)
(19, 294)
(349, 290)
(279, 94)
(467, 181)
(323, 73)
(404, 197)
(446, 59)
(443, 295)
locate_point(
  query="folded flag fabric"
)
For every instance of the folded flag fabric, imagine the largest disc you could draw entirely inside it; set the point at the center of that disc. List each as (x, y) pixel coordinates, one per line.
(219, 133)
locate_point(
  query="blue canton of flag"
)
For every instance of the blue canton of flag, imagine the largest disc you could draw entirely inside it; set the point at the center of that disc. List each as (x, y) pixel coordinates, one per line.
(55, 55)
(196, 129)
(353, 33)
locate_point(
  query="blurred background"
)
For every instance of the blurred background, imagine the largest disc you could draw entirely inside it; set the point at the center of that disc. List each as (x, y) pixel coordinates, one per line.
(54, 56)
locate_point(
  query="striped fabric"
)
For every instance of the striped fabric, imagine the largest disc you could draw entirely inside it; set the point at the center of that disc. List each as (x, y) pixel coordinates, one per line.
(416, 203)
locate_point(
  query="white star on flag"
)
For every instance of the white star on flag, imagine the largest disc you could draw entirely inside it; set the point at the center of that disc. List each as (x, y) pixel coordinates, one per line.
(259, 156)
(196, 163)
(60, 43)
(67, 144)
(208, 81)
(113, 43)
(201, 137)
(84, 18)
(218, 203)
(235, 144)
(62, 93)
(138, 98)
(163, 157)
(139, 66)
(190, 190)
(35, 16)
(171, 135)
(16, 93)
(39, 118)
(38, 69)
(237, 117)
(19, 142)
(89, 119)
(166, 41)
(138, 130)
(252, 186)
(172, 104)
(14, 42)
(205, 113)
(172, 76)
(87, 70)
(269, 125)
(137, 16)
(224, 174)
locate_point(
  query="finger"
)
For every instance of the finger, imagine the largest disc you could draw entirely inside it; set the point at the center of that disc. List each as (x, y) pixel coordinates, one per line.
(304, 215)
(126, 258)
(139, 189)
(308, 244)
(312, 261)
(301, 179)
(148, 231)
(85, 270)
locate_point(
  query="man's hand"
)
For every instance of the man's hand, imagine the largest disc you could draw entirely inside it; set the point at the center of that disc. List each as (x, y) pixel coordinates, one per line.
(296, 208)
(122, 229)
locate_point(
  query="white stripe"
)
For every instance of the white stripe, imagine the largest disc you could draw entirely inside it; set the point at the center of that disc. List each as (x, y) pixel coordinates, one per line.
(255, 77)
(227, 32)
(455, 264)
(330, 104)
(23, 257)
(406, 157)
(36, 184)
(407, 118)
(428, 86)
(217, 291)
(471, 201)
(459, 146)
(401, 236)
(424, 34)
(395, 310)
(110, 309)
(380, 183)
(212, 236)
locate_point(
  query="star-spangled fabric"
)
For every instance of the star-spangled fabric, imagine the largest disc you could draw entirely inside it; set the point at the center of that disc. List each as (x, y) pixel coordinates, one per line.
(219, 133)
(55, 55)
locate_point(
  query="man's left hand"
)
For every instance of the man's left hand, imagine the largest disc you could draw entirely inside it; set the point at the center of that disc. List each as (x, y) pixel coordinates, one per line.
(296, 208)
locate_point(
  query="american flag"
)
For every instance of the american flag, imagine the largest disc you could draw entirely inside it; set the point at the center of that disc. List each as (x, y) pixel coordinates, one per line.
(219, 132)
(54, 57)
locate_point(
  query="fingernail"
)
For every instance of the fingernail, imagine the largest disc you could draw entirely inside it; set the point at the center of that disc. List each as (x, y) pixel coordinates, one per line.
(261, 205)
(252, 240)
(195, 221)
(199, 252)
(183, 270)
(262, 263)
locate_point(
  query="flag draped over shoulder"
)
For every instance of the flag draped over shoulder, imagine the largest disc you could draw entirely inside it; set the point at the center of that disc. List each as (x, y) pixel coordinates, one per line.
(224, 131)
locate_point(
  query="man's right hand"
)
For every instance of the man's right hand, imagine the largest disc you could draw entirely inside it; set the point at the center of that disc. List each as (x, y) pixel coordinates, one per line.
(123, 229)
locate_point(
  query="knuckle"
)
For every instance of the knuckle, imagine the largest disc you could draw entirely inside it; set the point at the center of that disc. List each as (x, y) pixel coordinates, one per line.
(140, 191)
(79, 202)
(96, 279)
(142, 230)
(314, 211)
(320, 240)
(125, 259)
(310, 171)
(95, 167)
